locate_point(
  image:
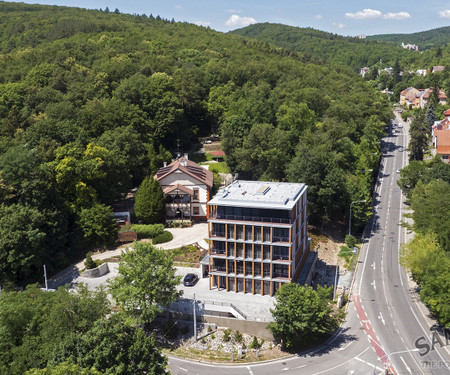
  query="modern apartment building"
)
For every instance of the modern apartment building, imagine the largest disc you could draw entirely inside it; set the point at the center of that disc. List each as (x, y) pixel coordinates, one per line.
(257, 236)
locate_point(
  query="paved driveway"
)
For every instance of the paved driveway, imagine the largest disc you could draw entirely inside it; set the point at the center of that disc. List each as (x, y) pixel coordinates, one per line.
(181, 237)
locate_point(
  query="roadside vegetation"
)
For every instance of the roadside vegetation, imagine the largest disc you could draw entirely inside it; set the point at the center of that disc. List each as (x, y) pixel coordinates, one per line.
(427, 187)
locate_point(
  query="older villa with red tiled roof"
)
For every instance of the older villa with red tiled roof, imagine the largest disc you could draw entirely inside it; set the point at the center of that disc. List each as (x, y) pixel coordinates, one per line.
(187, 187)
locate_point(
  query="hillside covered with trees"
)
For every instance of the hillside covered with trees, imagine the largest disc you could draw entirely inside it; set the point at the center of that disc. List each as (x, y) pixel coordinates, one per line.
(424, 39)
(92, 101)
(352, 52)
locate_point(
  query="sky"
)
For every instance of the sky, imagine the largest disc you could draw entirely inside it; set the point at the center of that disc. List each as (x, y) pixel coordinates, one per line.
(344, 17)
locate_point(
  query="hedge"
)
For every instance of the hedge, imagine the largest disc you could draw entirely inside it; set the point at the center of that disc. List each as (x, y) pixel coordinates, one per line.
(166, 236)
(147, 231)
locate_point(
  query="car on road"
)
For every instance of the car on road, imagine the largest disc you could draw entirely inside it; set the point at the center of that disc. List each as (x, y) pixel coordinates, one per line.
(400, 125)
(400, 149)
(190, 279)
(398, 170)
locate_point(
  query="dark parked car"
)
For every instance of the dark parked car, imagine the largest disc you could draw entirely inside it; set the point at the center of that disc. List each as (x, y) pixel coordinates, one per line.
(190, 279)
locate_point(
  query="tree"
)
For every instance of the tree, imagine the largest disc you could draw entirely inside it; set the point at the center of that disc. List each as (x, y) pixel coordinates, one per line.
(430, 267)
(396, 72)
(33, 323)
(21, 243)
(115, 346)
(430, 204)
(420, 134)
(302, 315)
(97, 225)
(149, 203)
(146, 281)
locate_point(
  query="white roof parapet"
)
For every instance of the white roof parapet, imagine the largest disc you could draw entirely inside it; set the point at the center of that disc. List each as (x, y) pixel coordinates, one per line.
(259, 194)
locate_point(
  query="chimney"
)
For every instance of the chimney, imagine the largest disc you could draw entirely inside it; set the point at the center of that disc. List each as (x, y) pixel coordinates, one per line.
(186, 156)
(165, 164)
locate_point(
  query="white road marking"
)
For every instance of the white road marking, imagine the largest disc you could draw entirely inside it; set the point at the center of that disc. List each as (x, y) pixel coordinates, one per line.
(183, 369)
(293, 368)
(351, 359)
(346, 346)
(368, 363)
(407, 367)
(373, 284)
(373, 265)
(381, 318)
(250, 370)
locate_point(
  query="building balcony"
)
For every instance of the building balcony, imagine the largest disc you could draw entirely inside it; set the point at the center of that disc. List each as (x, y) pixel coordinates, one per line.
(219, 269)
(253, 219)
(284, 258)
(215, 234)
(280, 239)
(218, 252)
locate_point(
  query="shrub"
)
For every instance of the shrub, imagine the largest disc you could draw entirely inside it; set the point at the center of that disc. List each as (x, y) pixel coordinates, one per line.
(147, 231)
(213, 336)
(254, 344)
(238, 337)
(89, 263)
(166, 236)
(350, 241)
(226, 335)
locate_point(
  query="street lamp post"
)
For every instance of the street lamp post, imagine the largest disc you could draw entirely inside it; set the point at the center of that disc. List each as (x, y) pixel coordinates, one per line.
(350, 218)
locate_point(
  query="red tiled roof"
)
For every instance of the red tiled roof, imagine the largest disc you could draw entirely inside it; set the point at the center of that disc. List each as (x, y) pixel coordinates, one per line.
(217, 153)
(443, 142)
(190, 168)
(447, 112)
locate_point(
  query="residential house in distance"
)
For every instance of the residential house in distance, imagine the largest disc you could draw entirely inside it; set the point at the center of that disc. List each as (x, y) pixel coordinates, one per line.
(443, 144)
(418, 98)
(364, 71)
(258, 236)
(186, 187)
(407, 96)
(438, 68)
(411, 47)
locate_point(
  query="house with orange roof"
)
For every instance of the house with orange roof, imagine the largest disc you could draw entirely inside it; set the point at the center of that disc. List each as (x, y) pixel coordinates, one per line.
(186, 187)
(443, 144)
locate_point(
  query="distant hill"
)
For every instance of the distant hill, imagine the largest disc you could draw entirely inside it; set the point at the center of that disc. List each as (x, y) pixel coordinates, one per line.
(425, 39)
(353, 52)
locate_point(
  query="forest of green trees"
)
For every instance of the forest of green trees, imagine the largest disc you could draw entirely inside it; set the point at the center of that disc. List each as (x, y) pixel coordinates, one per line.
(90, 101)
(93, 102)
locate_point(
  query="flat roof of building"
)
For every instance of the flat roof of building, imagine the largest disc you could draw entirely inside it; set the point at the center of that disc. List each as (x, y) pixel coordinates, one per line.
(259, 194)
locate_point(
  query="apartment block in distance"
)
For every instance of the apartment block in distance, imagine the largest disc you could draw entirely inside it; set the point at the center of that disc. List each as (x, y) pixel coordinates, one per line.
(257, 236)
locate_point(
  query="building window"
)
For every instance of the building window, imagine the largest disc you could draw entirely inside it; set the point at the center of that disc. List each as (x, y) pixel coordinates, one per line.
(196, 210)
(195, 196)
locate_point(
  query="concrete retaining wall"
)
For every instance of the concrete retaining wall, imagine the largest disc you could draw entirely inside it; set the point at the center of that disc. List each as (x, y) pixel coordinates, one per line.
(245, 326)
(101, 270)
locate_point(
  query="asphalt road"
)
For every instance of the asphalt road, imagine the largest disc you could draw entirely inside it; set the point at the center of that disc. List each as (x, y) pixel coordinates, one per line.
(384, 316)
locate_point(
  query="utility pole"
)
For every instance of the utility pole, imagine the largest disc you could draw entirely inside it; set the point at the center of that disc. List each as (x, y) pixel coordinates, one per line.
(195, 318)
(45, 278)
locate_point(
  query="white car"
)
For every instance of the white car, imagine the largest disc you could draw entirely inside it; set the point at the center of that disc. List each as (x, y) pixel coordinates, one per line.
(400, 125)
(400, 149)
(398, 170)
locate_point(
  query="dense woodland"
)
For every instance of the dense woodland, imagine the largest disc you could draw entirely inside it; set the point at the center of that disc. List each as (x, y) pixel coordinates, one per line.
(90, 102)
(425, 39)
(357, 53)
(93, 102)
